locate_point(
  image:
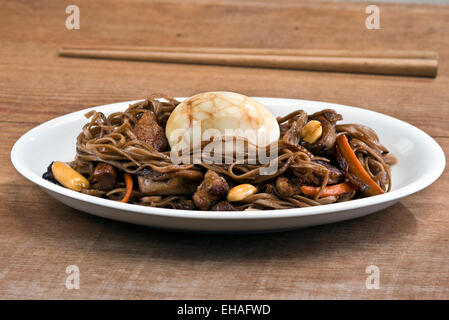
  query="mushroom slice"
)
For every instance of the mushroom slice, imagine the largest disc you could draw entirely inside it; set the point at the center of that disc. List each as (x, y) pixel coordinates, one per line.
(174, 183)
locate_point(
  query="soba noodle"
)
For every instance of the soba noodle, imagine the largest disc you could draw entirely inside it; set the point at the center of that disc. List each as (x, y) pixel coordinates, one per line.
(111, 140)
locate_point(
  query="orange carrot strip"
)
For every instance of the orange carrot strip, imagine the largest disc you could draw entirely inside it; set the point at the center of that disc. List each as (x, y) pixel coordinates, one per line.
(334, 190)
(129, 187)
(356, 168)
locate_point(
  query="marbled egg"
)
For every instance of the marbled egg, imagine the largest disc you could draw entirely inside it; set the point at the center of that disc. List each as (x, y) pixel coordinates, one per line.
(222, 114)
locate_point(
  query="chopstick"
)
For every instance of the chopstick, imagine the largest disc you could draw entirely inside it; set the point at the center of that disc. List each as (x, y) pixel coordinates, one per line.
(409, 54)
(405, 63)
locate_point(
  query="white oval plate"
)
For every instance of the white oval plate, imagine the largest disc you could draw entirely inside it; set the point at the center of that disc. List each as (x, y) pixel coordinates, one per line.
(420, 162)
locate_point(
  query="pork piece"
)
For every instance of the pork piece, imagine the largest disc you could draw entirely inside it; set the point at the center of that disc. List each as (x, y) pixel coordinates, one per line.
(312, 178)
(335, 174)
(288, 186)
(147, 130)
(223, 206)
(210, 191)
(173, 183)
(105, 175)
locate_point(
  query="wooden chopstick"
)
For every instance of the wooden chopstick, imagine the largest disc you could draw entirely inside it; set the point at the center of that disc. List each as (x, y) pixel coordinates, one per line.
(406, 54)
(406, 63)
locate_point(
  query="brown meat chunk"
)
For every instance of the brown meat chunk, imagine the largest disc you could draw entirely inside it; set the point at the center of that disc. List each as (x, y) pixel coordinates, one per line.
(211, 190)
(174, 183)
(223, 206)
(105, 175)
(285, 187)
(147, 130)
(288, 186)
(335, 174)
(313, 178)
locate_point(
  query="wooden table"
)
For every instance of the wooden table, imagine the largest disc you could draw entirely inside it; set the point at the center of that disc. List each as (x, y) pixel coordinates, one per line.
(39, 237)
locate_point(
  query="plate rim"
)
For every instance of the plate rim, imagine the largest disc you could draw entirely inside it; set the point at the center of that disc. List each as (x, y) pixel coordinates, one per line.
(394, 195)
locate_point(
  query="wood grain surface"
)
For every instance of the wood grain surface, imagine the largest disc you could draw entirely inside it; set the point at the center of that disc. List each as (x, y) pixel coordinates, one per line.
(39, 237)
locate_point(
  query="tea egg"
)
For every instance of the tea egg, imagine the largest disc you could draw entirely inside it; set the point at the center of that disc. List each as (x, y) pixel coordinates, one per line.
(222, 114)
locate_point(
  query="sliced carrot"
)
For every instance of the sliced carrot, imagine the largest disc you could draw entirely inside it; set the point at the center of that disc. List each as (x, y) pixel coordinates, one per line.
(356, 168)
(334, 190)
(129, 187)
